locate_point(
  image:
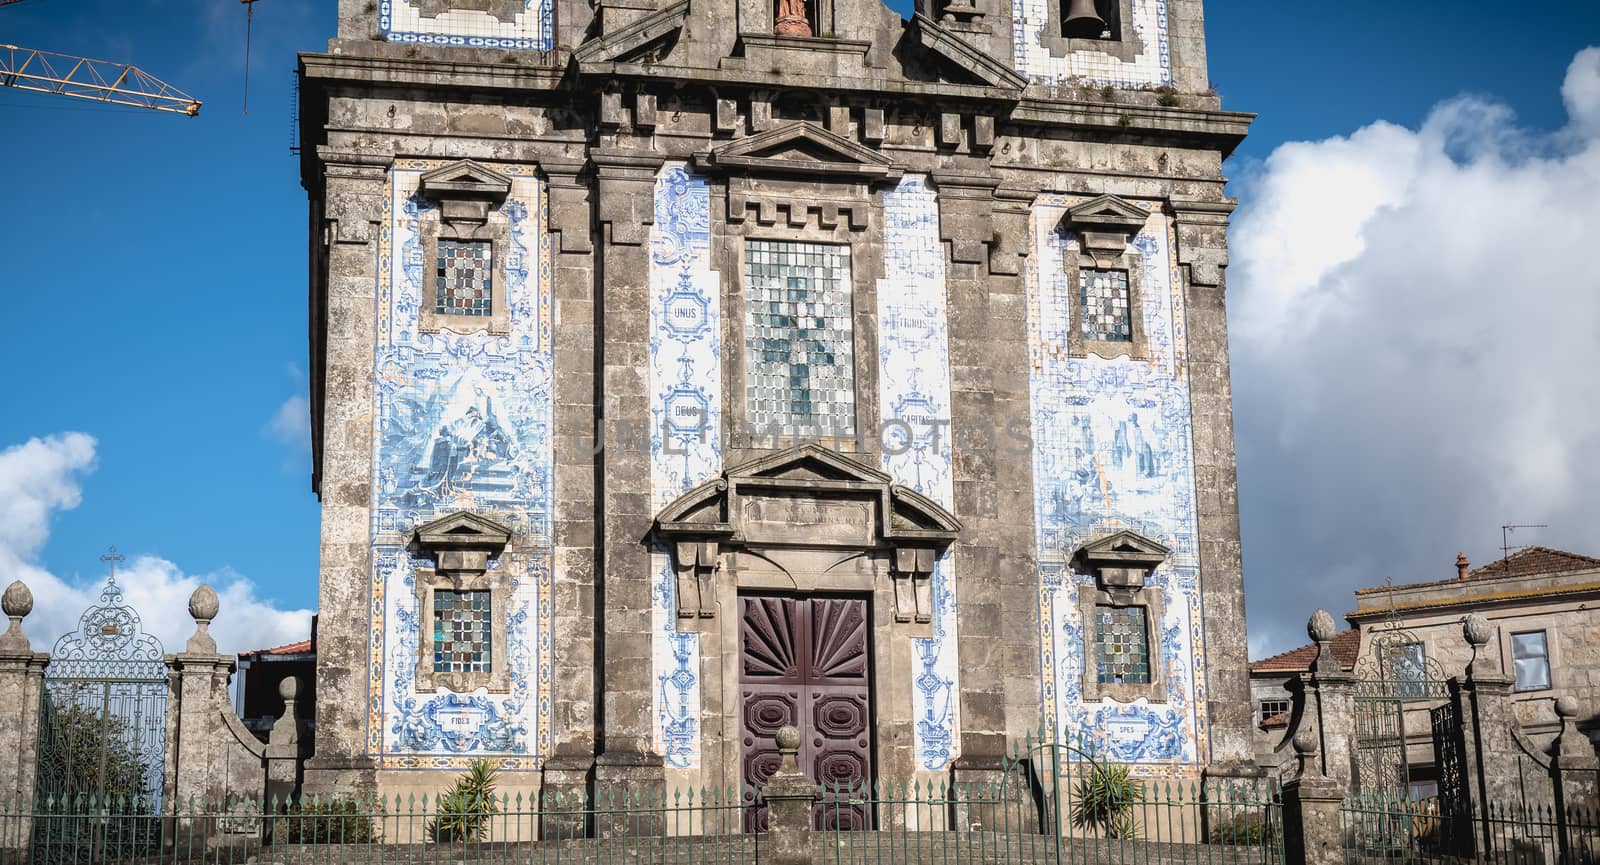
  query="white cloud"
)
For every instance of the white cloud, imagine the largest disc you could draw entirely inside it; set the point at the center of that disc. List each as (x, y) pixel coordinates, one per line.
(1416, 329)
(41, 477)
(291, 423)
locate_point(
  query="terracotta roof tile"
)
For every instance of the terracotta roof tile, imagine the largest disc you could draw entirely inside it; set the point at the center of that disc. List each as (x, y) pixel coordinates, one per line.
(299, 648)
(1275, 722)
(1524, 562)
(1345, 645)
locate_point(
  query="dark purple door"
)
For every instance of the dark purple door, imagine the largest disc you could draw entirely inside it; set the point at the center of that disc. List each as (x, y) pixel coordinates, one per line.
(803, 661)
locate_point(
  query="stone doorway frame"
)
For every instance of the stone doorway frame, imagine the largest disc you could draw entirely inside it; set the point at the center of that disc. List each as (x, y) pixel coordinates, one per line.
(806, 521)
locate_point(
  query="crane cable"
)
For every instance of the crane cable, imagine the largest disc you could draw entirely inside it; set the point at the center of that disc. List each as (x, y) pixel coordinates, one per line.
(249, 18)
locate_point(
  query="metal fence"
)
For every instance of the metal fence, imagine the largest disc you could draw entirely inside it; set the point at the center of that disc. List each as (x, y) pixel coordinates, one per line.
(1147, 823)
(1388, 829)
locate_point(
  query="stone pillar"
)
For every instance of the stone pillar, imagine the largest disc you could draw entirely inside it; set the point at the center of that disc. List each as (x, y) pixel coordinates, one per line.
(1574, 765)
(627, 761)
(791, 797)
(1202, 229)
(1312, 832)
(1488, 727)
(210, 754)
(284, 749)
(347, 206)
(572, 583)
(1325, 703)
(21, 693)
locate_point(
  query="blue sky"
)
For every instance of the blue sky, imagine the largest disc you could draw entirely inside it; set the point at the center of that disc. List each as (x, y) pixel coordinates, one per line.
(165, 255)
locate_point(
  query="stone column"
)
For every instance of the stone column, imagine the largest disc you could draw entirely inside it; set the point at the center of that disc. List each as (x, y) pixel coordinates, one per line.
(21, 693)
(791, 797)
(566, 770)
(627, 761)
(1312, 834)
(1202, 228)
(344, 280)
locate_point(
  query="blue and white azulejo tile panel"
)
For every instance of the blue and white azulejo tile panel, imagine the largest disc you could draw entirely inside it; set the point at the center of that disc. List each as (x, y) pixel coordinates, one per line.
(1112, 451)
(430, 22)
(461, 422)
(1152, 66)
(685, 430)
(914, 396)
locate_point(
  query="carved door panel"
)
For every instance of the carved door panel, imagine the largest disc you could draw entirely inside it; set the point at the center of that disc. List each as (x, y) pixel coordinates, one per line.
(804, 662)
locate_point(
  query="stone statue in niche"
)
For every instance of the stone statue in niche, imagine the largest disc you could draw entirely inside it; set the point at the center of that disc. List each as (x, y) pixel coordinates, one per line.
(794, 18)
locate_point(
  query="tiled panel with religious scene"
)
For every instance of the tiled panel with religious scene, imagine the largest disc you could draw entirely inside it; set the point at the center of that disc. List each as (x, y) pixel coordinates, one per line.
(461, 422)
(1112, 451)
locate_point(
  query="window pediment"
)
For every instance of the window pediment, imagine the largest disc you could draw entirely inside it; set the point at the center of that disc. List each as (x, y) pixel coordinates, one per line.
(801, 147)
(464, 179)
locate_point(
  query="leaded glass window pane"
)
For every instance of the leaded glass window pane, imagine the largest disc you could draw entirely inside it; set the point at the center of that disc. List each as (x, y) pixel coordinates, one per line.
(1107, 317)
(1530, 656)
(799, 349)
(1408, 666)
(463, 278)
(1121, 645)
(462, 632)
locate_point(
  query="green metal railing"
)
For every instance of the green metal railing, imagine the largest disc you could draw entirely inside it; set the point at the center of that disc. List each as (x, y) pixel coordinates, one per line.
(1381, 829)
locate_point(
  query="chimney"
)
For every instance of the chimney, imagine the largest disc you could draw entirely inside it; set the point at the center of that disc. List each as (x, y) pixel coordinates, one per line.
(1461, 566)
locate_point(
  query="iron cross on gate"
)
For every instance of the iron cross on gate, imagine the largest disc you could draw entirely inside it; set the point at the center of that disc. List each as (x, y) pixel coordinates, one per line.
(111, 558)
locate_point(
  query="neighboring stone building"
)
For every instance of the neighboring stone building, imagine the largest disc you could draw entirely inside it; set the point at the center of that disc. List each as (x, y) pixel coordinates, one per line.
(1541, 604)
(906, 347)
(259, 676)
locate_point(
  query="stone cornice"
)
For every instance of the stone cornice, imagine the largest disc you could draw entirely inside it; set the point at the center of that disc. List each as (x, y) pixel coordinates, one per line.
(957, 51)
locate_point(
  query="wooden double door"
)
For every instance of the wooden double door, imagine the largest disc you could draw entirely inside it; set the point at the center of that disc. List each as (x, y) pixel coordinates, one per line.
(806, 662)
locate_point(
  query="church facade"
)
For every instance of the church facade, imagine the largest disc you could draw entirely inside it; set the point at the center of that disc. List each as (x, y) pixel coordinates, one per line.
(685, 370)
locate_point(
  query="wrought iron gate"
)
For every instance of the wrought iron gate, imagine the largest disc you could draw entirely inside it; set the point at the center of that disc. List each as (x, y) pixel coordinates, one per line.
(1455, 803)
(1394, 679)
(102, 737)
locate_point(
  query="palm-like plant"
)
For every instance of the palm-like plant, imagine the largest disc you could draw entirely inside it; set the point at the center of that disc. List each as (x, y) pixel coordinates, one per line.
(1104, 802)
(465, 809)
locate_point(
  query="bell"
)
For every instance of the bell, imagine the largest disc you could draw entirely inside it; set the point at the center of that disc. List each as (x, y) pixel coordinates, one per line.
(1083, 22)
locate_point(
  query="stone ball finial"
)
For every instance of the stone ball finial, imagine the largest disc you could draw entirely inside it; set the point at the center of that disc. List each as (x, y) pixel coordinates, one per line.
(1566, 707)
(203, 604)
(1305, 741)
(289, 688)
(17, 602)
(788, 739)
(1321, 628)
(1476, 629)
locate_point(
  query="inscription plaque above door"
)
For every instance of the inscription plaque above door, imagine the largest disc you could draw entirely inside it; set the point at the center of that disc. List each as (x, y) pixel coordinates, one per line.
(805, 662)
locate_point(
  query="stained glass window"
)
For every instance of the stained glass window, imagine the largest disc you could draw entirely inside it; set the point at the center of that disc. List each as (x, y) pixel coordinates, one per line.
(1107, 316)
(461, 632)
(1122, 646)
(463, 278)
(799, 353)
(1530, 658)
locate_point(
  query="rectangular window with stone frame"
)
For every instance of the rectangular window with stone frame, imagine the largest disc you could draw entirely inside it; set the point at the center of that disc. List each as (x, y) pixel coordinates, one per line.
(1105, 278)
(1121, 649)
(462, 605)
(799, 339)
(466, 241)
(1530, 660)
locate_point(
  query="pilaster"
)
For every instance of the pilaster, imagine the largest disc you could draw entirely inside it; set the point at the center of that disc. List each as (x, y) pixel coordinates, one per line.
(1203, 254)
(345, 246)
(626, 185)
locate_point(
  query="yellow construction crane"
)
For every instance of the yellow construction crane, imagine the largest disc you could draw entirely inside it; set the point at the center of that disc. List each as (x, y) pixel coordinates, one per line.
(99, 80)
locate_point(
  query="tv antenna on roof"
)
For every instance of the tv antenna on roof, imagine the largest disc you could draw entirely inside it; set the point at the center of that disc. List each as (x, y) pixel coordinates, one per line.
(1506, 532)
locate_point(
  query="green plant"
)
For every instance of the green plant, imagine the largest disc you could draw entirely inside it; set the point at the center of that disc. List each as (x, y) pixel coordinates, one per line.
(329, 821)
(1104, 801)
(1108, 93)
(88, 752)
(465, 809)
(1166, 96)
(1242, 828)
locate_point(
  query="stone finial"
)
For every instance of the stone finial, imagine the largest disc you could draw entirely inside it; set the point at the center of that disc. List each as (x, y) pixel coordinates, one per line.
(1305, 750)
(286, 730)
(203, 606)
(1572, 747)
(17, 602)
(1462, 566)
(1566, 707)
(1321, 627)
(1475, 627)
